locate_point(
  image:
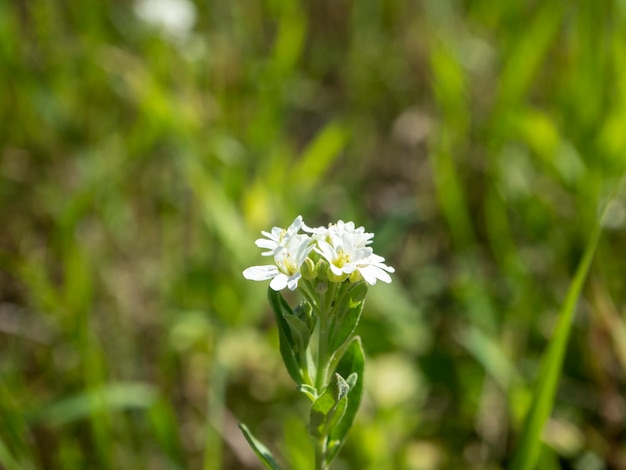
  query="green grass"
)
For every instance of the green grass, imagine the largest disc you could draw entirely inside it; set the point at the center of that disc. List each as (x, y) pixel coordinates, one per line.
(529, 446)
(477, 139)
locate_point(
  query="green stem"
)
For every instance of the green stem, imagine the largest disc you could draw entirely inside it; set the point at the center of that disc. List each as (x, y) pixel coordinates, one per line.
(322, 353)
(305, 358)
(323, 361)
(320, 454)
(306, 289)
(332, 314)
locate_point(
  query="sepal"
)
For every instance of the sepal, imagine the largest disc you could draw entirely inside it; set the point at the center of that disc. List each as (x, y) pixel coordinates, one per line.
(308, 269)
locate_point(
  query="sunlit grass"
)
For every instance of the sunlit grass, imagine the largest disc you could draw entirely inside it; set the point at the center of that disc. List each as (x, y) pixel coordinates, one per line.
(477, 139)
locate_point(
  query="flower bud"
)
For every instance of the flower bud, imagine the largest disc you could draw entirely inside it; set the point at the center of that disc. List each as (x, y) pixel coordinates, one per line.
(308, 269)
(322, 269)
(332, 277)
(355, 277)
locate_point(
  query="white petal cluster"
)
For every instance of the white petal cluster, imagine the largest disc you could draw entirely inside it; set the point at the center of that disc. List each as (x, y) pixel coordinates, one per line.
(276, 240)
(358, 235)
(343, 246)
(288, 259)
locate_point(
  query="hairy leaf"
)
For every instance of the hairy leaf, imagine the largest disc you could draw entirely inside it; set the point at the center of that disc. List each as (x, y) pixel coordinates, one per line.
(352, 364)
(287, 344)
(260, 450)
(329, 407)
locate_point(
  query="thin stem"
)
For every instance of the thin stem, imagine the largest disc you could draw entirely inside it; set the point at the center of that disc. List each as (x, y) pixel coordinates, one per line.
(320, 454)
(323, 361)
(305, 359)
(332, 314)
(323, 353)
(305, 289)
(336, 355)
(329, 296)
(320, 385)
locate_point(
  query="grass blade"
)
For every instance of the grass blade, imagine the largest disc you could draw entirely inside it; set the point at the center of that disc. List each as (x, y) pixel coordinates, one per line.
(6, 459)
(529, 446)
(115, 396)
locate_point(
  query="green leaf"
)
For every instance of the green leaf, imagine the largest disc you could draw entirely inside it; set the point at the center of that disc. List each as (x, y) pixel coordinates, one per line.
(329, 407)
(6, 459)
(287, 344)
(298, 450)
(352, 379)
(488, 352)
(356, 293)
(260, 450)
(109, 397)
(337, 414)
(352, 364)
(299, 332)
(529, 447)
(304, 312)
(165, 428)
(309, 391)
(348, 316)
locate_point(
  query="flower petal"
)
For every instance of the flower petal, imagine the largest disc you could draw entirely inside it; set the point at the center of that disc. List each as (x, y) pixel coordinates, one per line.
(265, 243)
(336, 270)
(324, 249)
(383, 266)
(348, 268)
(292, 282)
(296, 224)
(372, 273)
(279, 282)
(368, 275)
(260, 273)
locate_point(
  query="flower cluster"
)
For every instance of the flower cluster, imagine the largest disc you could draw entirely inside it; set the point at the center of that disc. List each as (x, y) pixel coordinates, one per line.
(335, 253)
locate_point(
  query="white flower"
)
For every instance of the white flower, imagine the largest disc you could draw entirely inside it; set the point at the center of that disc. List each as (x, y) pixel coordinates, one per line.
(288, 259)
(276, 240)
(375, 268)
(360, 237)
(346, 254)
(342, 245)
(317, 233)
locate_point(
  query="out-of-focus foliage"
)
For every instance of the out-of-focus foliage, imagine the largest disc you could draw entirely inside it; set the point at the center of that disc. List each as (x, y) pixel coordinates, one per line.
(144, 145)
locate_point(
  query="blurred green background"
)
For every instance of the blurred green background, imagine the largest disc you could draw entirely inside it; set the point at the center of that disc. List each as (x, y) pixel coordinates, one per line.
(144, 146)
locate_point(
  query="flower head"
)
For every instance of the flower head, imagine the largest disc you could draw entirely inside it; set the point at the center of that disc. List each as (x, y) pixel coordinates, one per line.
(348, 256)
(342, 245)
(276, 240)
(359, 235)
(286, 271)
